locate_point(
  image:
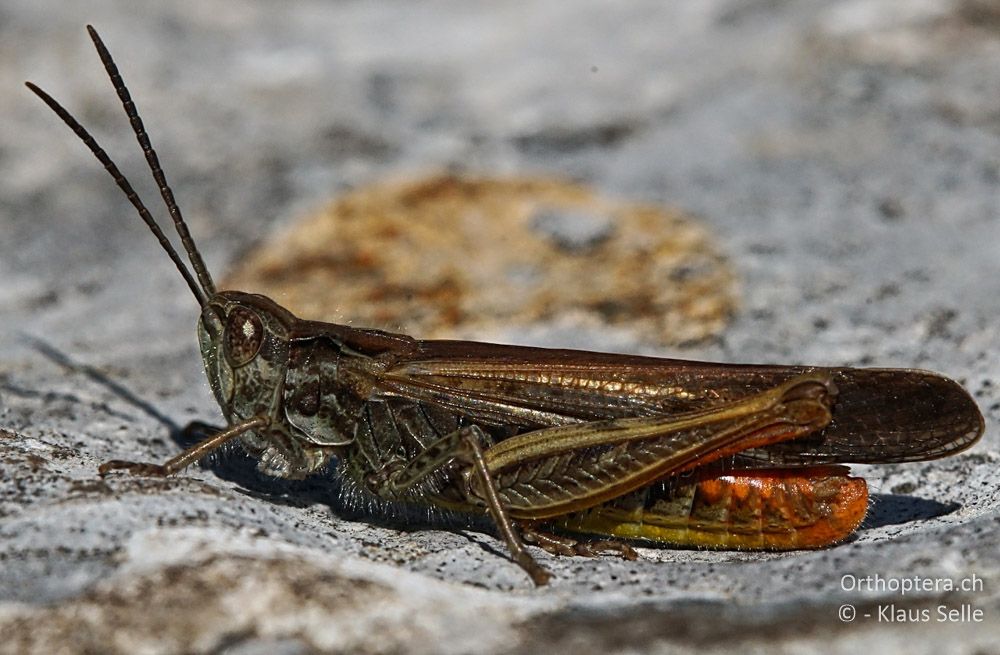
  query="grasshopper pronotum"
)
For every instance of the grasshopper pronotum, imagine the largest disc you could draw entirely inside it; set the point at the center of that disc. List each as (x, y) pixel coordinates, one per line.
(616, 446)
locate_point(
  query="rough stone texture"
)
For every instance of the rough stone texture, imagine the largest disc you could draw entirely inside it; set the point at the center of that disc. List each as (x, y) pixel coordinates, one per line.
(845, 155)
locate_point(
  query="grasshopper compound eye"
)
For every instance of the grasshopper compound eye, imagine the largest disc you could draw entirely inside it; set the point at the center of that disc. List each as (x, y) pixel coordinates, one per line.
(244, 336)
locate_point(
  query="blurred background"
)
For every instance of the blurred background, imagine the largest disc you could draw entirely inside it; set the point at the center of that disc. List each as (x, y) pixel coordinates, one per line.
(843, 154)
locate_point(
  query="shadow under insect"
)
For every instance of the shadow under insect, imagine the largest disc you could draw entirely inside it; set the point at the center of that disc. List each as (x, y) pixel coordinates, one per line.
(892, 509)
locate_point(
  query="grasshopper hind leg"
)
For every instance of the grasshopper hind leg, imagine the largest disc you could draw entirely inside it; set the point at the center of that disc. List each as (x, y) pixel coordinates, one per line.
(465, 445)
(568, 546)
(520, 554)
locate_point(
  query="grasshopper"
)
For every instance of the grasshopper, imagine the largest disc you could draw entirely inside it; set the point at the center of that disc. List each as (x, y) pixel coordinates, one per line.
(616, 447)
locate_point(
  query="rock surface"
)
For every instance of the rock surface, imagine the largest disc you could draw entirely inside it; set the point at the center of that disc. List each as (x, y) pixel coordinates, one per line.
(844, 154)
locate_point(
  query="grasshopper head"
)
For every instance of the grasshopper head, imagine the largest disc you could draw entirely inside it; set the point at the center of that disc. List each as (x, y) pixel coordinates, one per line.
(244, 345)
(243, 337)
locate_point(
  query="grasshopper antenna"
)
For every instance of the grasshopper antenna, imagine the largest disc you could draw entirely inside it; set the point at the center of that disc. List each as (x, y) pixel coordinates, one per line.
(125, 186)
(201, 292)
(154, 163)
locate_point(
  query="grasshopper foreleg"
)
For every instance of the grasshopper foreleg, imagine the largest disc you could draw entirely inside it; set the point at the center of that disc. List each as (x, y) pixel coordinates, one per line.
(189, 456)
(464, 445)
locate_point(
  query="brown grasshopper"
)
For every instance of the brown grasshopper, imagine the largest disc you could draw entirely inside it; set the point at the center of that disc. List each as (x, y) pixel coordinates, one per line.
(617, 446)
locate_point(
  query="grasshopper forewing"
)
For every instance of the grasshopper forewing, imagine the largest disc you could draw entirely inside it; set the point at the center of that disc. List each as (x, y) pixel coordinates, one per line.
(661, 450)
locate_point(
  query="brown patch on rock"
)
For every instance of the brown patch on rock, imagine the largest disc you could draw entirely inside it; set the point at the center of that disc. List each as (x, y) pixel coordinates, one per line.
(453, 256)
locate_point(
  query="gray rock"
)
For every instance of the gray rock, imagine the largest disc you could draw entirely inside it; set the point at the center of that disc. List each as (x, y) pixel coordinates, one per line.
(844, 153)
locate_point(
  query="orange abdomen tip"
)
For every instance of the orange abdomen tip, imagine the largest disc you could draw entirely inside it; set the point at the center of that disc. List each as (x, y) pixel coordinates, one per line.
(775, 509)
